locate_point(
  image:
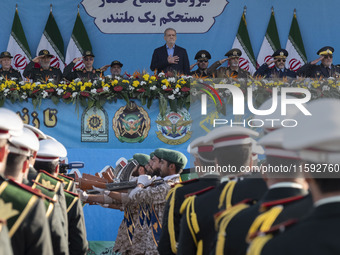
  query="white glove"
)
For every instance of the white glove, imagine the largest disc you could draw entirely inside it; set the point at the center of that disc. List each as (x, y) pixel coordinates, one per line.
(83, 196)
(107, 199)
(101, 191)
(133, 192)
(104, 205)
(144, 179)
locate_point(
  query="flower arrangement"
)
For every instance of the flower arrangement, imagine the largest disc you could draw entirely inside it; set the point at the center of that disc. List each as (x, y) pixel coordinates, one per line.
(175, 90)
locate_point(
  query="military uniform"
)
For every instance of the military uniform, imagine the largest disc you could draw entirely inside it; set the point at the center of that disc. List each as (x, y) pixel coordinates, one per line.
(82, 74)
(26, 220)
(11, 73)
(5, 241)
(172, 216)
(202, 55)
(234, 227)
(265, 71)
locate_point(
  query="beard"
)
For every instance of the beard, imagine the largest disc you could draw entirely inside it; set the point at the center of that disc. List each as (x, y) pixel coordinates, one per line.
(155, 172)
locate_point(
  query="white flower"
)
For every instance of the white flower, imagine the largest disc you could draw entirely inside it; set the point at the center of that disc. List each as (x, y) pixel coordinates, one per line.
(177, 89)
(172, 97)
(194, 92)
(101, 79)
(6, 92)
(142, 83)
(50, 80)
(131, 87)
(59, 91)
(24, 95)
(94, 91)
(172, 79)
(74, 94)
(37, 83)
(153, 87)
(325, 87)
(106, 88)
(1, 78)
(331, 78)
(13, 79)
(62, 82)
(161, 74)
(179, 93)
(109, 76)
(22, 83)
(117, 78)
(164, 87)
(76, 80)
(44, 94)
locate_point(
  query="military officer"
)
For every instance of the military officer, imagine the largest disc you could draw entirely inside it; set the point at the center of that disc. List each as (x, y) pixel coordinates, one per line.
(39, 69)
(317, 232)
(26, 221)
(202, 63)
(6, 70)
(279, 70)
(325, 69)
(233, 70)
(88, 72)
(116, 68)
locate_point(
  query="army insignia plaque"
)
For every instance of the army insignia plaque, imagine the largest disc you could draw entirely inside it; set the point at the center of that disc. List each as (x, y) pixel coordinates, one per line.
(94, 125)
(174, 127)
(131, 123)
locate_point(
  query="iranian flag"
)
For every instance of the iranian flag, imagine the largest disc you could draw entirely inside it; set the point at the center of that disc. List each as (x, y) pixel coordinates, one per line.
(79, 42)
(296, 51)
(52, 41)
(270, 44)
(242, 42)
(18, 46)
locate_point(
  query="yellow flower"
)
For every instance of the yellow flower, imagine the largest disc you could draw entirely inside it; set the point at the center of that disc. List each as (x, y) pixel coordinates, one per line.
(125, 81)
(153, 78)
(115, 82)
(178, 86)
(135, 84)
(146, 77)
(237, 85)
(82, 88)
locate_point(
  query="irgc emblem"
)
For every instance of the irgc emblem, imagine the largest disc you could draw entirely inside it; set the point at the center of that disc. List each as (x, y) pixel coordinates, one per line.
(94, 125)
(174, 127)
(131, 123)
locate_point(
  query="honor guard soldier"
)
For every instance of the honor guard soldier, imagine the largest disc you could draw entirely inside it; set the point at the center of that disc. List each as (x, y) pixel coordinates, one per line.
(288, 190)
(25, 214)
(88, 72)
(202, 150)
(317, 232)
(202, 63)
(6, 71)
(279, 70)
(233, 70)
(325, 69)
(39, 69)
(232, 147)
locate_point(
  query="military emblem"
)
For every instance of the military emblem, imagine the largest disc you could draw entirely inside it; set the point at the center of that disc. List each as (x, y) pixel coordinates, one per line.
(88, 53)
(47, 184)
(235, 53)
(174, 128)
(45, 52)
(203, 55)
(131, 123)
(94, 125)
(6, 210)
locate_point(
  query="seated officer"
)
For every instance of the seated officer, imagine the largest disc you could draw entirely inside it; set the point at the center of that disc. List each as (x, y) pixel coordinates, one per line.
(116, 68)
(202, 63)
(233, 70)
(88, 72)
(279, 70)
(6, 70)
(325, 69)
(39, 68)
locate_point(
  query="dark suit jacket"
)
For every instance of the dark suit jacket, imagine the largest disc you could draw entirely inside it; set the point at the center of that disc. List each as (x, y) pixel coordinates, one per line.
(316, 234)
(265, 71)
(160, 60)
(318, 71)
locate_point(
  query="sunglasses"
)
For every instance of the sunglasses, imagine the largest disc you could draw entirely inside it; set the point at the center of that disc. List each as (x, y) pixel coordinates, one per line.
(328, 56)
(203, 61)
(88, 59)
(281, 60)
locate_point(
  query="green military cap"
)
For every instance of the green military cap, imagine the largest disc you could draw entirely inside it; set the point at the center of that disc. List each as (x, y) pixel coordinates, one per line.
(141, 158)
(172, 156)
(116, 62)
(88, 53)
(234, 53)
(5, 54)
(45, 53)
(152, 154)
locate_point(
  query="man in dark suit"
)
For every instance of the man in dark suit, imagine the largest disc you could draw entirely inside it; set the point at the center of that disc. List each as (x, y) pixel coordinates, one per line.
(170, 57)
(279, 70)
(325, 69)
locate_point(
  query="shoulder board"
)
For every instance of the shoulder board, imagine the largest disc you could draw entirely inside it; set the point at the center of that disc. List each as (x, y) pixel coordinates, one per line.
(248, 201)
(71, 193)
(45, 192)
(64, 176)
(27, 188)
(98, 70)
(197, 193)
(189, 181)
(78, 69)
(50, 175)
(278, 228)
(284, 201)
